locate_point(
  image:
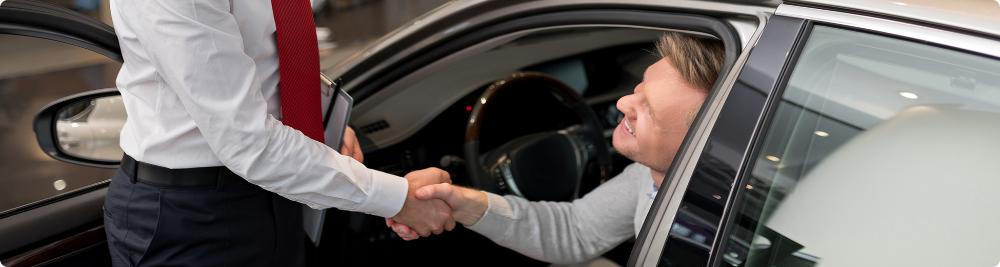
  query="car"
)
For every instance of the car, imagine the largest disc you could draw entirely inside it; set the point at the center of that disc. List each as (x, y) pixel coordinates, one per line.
(840, 133)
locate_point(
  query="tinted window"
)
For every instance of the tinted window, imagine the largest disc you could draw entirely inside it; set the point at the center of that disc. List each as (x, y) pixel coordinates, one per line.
(33, 73)
(881, 153)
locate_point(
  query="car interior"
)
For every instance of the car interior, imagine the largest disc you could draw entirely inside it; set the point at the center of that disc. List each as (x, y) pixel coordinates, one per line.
(520, 87)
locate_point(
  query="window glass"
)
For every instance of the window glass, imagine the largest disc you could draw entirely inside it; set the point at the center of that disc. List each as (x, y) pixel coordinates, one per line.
(881, 153)
(33, 73)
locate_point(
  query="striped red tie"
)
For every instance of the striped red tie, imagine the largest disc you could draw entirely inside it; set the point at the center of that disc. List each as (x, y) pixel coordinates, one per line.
(298, 67)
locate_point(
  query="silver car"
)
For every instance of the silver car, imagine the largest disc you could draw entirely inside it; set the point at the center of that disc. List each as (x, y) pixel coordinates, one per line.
(840, 133)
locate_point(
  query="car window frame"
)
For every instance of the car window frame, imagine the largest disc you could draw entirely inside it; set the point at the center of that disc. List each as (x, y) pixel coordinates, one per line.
(946, 37)
(382, 60)
(47, 21)
(363, 84)
(758, 75)
(679, 20)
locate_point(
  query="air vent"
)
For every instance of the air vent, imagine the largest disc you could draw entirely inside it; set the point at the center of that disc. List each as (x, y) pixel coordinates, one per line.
(374, 127)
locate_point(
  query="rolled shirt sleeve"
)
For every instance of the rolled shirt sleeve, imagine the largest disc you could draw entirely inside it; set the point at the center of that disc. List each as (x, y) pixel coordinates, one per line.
(197, 50)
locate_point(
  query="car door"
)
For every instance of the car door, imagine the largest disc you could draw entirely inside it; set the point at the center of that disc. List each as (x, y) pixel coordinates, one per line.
(847, 140)
(50, 211)
(394, 70)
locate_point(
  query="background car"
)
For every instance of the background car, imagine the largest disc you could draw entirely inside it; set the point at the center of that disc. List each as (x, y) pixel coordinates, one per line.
(840, 133)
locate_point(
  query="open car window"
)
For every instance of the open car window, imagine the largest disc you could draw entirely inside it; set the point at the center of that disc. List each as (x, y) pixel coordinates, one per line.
(575, 55)
(879, 154)
(601, 63)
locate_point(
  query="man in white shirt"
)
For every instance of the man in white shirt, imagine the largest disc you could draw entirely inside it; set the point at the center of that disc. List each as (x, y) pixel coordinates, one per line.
(209, 167)
(657, 117)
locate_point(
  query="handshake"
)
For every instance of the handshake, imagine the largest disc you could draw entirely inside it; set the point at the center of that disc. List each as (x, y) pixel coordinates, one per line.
(433, 205)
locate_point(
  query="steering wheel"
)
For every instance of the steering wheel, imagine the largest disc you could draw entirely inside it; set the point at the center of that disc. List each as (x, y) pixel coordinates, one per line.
(543, 165)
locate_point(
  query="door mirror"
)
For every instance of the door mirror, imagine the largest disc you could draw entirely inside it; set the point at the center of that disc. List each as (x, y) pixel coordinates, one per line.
(89, 128)
(83, 128)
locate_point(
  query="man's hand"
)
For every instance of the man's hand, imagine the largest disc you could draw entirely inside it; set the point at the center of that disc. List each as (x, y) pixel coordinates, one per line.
(467, 206)
(351, 147)
(425, 216)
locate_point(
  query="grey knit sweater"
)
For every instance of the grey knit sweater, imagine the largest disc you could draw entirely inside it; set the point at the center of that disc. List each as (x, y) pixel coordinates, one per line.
(571, 232)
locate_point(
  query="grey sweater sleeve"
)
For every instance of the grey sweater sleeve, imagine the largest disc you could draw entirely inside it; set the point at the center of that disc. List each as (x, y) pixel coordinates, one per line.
(565, 232)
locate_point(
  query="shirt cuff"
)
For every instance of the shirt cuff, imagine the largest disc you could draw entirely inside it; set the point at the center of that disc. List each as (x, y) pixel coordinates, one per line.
(388, 192)
(497, 218)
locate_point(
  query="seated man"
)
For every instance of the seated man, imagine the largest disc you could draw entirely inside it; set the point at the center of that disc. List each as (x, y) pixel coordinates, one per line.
(657, 117)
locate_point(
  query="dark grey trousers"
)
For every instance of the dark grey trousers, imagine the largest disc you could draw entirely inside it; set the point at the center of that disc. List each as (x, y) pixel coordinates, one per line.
(234, 223)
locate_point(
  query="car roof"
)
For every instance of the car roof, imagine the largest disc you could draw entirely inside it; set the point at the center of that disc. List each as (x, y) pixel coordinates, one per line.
(982, 16)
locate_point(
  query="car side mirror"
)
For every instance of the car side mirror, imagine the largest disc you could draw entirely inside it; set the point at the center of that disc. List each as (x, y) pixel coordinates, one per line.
(83, 129)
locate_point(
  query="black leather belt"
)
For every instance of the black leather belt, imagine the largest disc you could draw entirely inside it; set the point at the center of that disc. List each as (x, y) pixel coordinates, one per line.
(188, 177)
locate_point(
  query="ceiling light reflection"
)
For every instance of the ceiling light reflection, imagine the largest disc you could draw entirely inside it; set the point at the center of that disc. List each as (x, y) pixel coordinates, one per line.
(909, 95)
(59, 184)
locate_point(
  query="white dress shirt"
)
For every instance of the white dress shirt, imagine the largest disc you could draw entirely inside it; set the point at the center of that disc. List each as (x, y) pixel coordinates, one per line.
(200, 87)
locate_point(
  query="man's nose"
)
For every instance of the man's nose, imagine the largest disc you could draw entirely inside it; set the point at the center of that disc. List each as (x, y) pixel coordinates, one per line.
(623, 104)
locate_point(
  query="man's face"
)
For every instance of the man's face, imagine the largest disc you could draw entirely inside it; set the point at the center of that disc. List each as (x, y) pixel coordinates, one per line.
(657, 116)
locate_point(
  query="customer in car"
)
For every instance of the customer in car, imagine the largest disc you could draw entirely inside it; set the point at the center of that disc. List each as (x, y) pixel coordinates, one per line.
(657, 116)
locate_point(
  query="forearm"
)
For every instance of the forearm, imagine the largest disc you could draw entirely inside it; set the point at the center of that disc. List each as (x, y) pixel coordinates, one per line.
(312, 173)
(547, 231)
(565, 232)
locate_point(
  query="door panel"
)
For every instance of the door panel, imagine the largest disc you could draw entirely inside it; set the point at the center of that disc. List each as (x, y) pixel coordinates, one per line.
(80, 238)
(50, 212)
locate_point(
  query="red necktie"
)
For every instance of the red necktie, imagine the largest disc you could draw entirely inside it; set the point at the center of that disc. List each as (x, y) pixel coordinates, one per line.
(298, 67)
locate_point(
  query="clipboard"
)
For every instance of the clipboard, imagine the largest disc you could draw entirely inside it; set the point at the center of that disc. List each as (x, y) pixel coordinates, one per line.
(337, 106)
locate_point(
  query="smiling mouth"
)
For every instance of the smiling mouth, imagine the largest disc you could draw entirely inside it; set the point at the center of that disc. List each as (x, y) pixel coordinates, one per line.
(628, 126)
